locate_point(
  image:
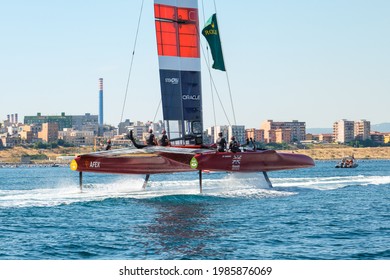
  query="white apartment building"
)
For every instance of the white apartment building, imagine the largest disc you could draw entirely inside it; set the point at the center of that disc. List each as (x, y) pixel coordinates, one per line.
(77, 137)
(298, 131)
(221, 128)
(362, 130)
(343, 131)
(238, 131)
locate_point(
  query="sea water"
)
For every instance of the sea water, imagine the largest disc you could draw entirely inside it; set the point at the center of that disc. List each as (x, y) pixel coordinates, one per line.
(320, 213)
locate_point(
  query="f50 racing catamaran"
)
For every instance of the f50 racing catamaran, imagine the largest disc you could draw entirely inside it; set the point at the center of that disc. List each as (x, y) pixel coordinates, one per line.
(178, 44)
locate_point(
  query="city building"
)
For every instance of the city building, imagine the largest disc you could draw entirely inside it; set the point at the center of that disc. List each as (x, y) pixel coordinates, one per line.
(109, 134)
(325, 138)
(157, 127)
(310, 137)
(26, 134)
(77, 137)
(12, 129)
(362, 130)
(139, 128)
(386, 138)
(238, 131)
(124, 127)
(343, 131)
(256, 134)
(283, 135)
(62, 121)
(208, 135)
(377, 137)
(298, 131)
(49, 132)
(85, 122)
(9, 141)
(29, 133)
(221, 128)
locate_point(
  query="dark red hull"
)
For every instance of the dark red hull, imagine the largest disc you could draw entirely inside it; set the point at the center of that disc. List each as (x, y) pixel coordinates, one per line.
(170, 160)
(129, 164)
(267, 160)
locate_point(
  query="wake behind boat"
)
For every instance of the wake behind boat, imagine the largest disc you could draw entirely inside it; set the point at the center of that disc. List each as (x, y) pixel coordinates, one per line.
(178, 45)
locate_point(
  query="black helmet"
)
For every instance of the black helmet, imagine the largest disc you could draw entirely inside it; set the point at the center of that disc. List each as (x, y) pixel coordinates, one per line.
(220, 134)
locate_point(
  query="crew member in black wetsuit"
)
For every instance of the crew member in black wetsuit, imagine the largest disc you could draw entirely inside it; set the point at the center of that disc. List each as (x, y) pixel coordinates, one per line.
(164, 141)
(233, 145)
(151, 141)
(221, 143)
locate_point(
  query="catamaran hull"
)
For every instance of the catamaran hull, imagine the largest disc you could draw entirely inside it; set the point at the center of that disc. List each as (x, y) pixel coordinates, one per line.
(251, 161)
(165, 161)
(145, 164)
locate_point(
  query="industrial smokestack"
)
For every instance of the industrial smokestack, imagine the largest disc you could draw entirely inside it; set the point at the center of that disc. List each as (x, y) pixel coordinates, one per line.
(100, 106)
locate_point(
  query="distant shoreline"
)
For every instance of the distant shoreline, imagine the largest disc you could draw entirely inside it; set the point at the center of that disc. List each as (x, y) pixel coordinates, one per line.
(33, 164)
(336, 153)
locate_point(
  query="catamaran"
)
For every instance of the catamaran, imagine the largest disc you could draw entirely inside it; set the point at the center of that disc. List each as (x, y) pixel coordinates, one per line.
(178, 45)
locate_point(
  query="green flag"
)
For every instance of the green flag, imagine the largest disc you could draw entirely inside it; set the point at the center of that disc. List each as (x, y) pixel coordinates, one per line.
(210, 31)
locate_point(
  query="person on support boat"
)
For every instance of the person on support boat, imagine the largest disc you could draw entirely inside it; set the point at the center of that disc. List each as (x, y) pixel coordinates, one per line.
(164, 141)
(151, 141)
(234, 146)
(221, 143)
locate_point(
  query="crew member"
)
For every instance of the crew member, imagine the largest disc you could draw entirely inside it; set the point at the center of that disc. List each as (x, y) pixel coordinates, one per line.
(151, 141)
(108, 147)
(233, 145)
(221, 143)
(164, 141)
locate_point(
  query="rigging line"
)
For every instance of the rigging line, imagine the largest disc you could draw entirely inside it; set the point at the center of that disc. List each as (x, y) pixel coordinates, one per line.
(215, 87)
(132, 60)
(208, 61)
(230, 94)
(226, 71)
(158, 108)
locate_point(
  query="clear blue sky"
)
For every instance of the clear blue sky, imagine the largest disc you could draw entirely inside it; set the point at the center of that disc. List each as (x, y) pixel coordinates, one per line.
(311, 60)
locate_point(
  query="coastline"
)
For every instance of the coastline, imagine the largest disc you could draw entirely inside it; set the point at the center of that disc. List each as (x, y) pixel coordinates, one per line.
(337, 153)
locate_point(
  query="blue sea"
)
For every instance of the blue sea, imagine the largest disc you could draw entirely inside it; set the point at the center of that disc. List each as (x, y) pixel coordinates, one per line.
(320, 213)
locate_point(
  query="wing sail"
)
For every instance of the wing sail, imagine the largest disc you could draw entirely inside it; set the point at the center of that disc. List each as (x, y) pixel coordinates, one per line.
(177, 33)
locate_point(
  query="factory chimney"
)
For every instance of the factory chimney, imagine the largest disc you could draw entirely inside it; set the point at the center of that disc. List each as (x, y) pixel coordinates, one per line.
(100, 107)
